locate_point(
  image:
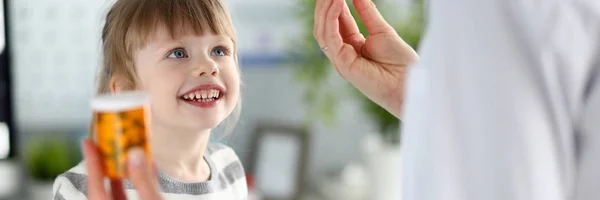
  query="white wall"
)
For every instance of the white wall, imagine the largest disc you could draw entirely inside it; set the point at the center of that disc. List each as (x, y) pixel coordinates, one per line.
(55, 47)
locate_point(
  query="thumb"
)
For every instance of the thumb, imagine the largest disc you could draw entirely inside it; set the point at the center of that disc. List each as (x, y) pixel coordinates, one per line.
(142, 175)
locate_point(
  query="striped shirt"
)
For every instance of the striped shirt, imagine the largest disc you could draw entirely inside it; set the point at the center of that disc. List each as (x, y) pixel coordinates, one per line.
(227, 180)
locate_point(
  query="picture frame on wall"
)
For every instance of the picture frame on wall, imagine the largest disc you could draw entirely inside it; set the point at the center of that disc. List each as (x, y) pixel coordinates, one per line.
(280, 160)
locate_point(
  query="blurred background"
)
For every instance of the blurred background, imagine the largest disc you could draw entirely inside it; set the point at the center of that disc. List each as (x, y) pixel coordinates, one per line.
(304, 133)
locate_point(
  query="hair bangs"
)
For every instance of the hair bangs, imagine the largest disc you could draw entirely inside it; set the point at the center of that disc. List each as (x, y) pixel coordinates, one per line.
(179, 18)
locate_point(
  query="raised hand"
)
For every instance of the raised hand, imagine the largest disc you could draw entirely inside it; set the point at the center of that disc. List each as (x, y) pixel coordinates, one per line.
(376, 65)
(143, 177)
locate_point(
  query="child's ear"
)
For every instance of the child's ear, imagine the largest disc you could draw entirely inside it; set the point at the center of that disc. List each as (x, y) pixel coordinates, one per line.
(117, 84)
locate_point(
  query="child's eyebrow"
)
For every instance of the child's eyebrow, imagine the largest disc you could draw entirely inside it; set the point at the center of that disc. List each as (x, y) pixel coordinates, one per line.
(223, 39)
(162, 46)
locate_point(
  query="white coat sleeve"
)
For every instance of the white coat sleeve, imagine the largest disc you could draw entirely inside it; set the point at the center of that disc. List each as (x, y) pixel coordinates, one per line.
(494, 105)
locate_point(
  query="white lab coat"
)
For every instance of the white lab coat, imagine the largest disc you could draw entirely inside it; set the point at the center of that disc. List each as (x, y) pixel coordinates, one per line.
(505, 102)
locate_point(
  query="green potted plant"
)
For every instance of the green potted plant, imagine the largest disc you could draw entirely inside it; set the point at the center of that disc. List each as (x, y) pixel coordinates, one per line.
(314, 70)
(45, 159)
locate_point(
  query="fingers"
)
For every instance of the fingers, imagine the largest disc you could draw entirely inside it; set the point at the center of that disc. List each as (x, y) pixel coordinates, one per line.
(349, 29)
(371, 17)
(155, 169)
(142, 175)
(333, 39)
(339, 53)
(321, 8)
(317, 19)
(96, 190)
(117, 190)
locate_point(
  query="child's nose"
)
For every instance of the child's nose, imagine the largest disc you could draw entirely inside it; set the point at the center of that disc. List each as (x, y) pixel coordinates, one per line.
(206, 68)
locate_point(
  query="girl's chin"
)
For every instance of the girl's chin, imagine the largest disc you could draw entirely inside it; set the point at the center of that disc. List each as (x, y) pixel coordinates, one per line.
(203, 124)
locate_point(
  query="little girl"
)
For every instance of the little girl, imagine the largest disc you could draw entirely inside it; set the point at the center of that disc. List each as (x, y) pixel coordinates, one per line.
(183, 53)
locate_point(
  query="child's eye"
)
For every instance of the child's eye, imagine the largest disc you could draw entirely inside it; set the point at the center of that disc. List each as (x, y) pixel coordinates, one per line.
(220, 51)
(178, 53)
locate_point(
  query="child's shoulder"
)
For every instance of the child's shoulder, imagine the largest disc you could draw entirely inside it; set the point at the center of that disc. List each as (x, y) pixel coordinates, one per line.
(219, 149)
(216, 146)
(222, 155)
(228, 166)
(72, 184)
(76, 173)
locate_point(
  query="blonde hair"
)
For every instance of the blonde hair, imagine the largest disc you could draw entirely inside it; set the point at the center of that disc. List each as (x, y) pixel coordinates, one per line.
(131, 24)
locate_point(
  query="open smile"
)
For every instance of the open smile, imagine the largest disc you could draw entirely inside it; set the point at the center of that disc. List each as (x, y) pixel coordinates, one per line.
(204, 95)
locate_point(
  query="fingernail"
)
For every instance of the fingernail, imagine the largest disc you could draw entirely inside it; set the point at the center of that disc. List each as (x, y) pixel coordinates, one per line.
(136, 157)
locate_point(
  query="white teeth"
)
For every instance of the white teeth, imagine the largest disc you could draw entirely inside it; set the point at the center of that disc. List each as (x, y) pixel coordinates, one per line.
(203, 95)
(204, 100)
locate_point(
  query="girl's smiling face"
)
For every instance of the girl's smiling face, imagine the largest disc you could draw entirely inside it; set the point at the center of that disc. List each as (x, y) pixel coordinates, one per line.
(193, 79)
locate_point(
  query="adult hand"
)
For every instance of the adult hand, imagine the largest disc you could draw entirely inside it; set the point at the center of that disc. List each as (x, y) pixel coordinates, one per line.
(376, 65)
(140, 173)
